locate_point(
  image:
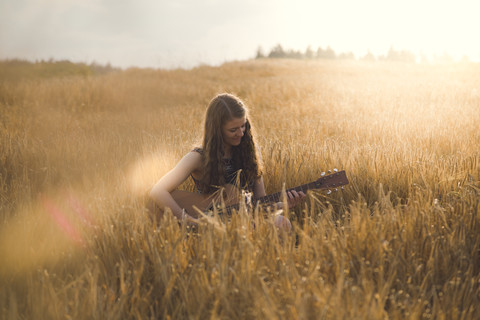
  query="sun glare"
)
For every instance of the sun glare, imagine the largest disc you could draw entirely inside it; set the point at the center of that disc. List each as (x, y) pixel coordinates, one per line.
(146, 171)
(429, 28)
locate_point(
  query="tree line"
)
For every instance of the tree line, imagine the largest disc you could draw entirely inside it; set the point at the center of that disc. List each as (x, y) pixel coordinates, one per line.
(17, 69)
(328, 53)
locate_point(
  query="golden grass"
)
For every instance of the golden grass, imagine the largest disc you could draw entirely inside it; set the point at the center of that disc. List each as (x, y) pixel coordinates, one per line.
(401, 241)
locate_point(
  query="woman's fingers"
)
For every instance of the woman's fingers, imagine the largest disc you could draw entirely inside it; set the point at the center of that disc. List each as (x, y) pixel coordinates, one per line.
(295, 197)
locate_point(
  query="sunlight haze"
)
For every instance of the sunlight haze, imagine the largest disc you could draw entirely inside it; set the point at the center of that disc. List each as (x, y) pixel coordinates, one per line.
(186, 33)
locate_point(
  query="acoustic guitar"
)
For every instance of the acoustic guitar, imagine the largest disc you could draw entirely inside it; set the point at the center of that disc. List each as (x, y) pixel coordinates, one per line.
(228, 199)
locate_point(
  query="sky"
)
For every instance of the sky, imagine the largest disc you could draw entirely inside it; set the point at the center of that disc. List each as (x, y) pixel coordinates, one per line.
(186, 33)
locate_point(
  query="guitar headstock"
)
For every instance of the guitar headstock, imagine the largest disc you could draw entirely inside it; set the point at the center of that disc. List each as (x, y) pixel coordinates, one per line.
(332, 180)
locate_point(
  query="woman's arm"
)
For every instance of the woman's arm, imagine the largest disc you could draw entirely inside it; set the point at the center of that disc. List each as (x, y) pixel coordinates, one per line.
(259, 188)
(160, 192)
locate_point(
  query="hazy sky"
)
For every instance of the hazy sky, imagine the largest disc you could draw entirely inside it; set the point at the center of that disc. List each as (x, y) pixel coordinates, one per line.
(185, 33)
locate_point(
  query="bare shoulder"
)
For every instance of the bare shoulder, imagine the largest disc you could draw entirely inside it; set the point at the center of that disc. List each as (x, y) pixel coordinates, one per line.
(192, 160)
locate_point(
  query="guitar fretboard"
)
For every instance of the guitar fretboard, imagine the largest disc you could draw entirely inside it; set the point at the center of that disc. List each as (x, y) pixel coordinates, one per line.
(276, 197)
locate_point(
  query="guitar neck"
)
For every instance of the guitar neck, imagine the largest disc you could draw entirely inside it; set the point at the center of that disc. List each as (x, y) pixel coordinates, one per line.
(333, 180)
(277, 197)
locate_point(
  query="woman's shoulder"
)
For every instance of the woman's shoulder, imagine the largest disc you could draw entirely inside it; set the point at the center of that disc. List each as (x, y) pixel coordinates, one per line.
(197, 150)
(193, 159)
(195, 154)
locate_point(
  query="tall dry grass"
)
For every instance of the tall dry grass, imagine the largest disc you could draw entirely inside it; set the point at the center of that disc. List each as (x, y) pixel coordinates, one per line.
(401, 241)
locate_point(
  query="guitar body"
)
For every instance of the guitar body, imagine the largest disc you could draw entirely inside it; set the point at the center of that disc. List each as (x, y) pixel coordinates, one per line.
(189, 200)
(192, 202)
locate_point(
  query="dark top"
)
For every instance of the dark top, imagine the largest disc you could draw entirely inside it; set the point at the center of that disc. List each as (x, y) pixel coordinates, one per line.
(230, 172)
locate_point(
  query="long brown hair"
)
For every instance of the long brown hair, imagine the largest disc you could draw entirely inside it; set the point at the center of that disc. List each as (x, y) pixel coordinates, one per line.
(225, 107)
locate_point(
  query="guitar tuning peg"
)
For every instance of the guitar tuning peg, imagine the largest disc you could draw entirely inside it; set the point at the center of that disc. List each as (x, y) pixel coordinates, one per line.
(329, 171)
(341, 188)
(336, 190)
(323, 173)
(329, 192)
(335, 170)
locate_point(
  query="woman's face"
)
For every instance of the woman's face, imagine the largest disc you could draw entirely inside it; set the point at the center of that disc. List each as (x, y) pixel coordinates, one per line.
(233, 131)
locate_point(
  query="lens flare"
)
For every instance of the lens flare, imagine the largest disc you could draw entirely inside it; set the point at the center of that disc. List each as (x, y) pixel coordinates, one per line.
(60, 218)
(40, 234)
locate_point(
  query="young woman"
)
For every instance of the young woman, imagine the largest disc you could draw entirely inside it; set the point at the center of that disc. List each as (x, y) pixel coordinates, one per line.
(228, 157)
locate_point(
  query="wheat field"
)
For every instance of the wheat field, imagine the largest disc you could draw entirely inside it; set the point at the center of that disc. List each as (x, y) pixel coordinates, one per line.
(401, 241)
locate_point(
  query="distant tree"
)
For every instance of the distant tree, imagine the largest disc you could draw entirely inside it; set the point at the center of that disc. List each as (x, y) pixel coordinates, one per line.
(392, 54)
(330, 54)
(346, 56)
(102, 69)
(294, 54)
(368, 56)
(260, 53)
(403, 56)
(320, 53)
(309, 53)
(407, 56)
(326, 54)
(277, 52)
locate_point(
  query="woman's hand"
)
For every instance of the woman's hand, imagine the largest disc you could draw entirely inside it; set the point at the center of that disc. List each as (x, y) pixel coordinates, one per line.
(283, 224)
(293, 199)
(189, 221)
